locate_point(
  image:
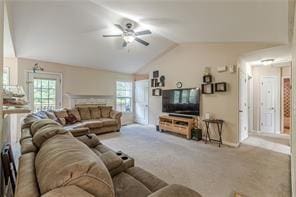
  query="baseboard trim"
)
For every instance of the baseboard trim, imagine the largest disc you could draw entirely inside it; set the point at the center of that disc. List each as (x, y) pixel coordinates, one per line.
(235, 145)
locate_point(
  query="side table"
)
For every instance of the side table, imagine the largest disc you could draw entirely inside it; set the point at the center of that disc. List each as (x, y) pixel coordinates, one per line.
(219, 124)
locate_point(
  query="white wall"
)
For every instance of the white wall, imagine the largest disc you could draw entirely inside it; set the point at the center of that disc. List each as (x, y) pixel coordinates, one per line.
(186, 63)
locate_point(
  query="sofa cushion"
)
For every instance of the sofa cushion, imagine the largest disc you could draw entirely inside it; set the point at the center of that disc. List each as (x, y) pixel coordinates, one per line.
(29, 120)
(63, 161)
(75, 112)
(47, 132)
(84, 113)
(127, 186)
(149, 180)
(76, 132)
(68, 191)
(108, 121)
(26, 180)
(95, 112)
(27, 146)
(92, 124)
(25, 133)
(61, 115)
(105, 111)
(42, 123)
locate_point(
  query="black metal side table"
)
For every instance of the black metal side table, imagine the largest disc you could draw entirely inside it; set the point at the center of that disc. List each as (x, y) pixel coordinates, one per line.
(219, 124)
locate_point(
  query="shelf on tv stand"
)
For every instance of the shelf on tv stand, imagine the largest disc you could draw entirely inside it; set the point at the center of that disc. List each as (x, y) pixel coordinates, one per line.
(176, 124)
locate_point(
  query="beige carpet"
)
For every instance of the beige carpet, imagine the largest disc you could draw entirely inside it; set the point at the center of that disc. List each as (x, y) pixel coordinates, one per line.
(210, 170)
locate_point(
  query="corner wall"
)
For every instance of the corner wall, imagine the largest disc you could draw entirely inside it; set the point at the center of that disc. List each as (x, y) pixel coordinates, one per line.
(186, 63)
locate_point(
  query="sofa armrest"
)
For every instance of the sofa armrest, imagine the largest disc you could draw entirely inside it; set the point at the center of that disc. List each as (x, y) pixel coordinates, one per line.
(175, 190)
(90, 140)
(115, 114)
(111, 160)
(76, 132)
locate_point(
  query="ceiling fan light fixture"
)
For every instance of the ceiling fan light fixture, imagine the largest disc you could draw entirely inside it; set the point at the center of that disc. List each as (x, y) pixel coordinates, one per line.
(129, 38)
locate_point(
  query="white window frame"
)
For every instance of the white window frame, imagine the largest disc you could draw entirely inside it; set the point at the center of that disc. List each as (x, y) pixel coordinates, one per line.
(30, 86)
(131, 98)
(7, 71)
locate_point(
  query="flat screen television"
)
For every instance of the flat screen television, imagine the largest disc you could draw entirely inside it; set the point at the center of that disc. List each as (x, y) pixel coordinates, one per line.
(181, 101)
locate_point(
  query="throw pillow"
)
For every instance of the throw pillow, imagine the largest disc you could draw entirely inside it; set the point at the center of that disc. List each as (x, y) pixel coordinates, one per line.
(51, 115)
(41, 114)
(95, 112)
(71, 119)
(84, 113)
(61, 115)
(105, 111)
(75, 112)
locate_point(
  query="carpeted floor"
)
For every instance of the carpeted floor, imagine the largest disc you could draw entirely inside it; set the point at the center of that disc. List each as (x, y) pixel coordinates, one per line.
(210, 170)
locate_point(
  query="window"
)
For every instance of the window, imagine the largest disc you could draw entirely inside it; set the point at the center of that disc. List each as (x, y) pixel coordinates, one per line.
(124, 96)
(5, 76)
(44, 94)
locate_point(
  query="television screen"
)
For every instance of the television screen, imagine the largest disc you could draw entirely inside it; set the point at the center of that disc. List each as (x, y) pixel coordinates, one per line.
(181, 101)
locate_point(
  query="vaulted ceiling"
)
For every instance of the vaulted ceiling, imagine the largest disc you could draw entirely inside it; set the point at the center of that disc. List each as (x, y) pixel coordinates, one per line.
(70, 32)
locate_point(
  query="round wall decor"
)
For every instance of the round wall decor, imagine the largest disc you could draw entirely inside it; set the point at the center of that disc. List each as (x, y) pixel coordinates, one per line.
(179, 84)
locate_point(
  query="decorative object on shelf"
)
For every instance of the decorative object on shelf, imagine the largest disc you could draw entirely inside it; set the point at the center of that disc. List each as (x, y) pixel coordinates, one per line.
(207, 78)
(179, 84)
(207, 70)
(14, 96)
(156, 82)
(207, 88)
(156, 92)
(222, 68)
(155, 74)
(220, 87)
(37, 67)
(162, 79)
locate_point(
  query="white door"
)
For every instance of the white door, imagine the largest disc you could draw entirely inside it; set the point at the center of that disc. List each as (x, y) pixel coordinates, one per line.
(243, 105)
(141, 101)
(44, 91)
(268, 103)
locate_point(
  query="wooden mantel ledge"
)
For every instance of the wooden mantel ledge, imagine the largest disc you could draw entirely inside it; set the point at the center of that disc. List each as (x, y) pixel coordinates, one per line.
(15, 110)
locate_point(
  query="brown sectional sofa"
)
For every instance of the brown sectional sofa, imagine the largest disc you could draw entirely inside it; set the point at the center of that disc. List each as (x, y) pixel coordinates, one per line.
(64, 165)
(95, 119)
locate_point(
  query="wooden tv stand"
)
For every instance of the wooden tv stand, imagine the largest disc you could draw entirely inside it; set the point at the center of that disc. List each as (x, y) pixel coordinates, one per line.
(176, 124)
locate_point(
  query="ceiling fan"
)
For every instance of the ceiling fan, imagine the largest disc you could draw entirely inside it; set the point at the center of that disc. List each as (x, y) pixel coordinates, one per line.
(129, 35)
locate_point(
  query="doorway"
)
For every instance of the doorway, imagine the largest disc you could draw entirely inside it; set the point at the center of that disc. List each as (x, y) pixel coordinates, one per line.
(269, 104)
(141, 101)
(44, 91)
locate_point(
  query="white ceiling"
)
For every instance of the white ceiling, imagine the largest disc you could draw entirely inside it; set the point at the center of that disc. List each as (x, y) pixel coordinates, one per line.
(70, 32)
(209, 20)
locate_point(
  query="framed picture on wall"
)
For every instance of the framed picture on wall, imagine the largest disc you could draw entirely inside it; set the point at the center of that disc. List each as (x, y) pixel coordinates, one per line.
(155, 74)
(207, 79)
(207, 88)
(220, 87)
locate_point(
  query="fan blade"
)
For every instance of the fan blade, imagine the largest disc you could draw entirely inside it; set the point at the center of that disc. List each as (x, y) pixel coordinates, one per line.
(124, 44)
(145, 32)
(119, 27)
(111, 35)
(141, 41)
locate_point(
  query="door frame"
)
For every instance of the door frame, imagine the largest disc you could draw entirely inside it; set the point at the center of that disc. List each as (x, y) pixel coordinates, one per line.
(135, 117)
(242, 72)
(27, 86)
(277, 123)
(282, 102)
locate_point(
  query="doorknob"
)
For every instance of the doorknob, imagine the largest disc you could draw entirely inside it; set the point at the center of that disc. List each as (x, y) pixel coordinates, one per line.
(241, 111)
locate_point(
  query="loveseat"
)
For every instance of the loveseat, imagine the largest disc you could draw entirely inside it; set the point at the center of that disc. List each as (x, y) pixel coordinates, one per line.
(68, 166)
